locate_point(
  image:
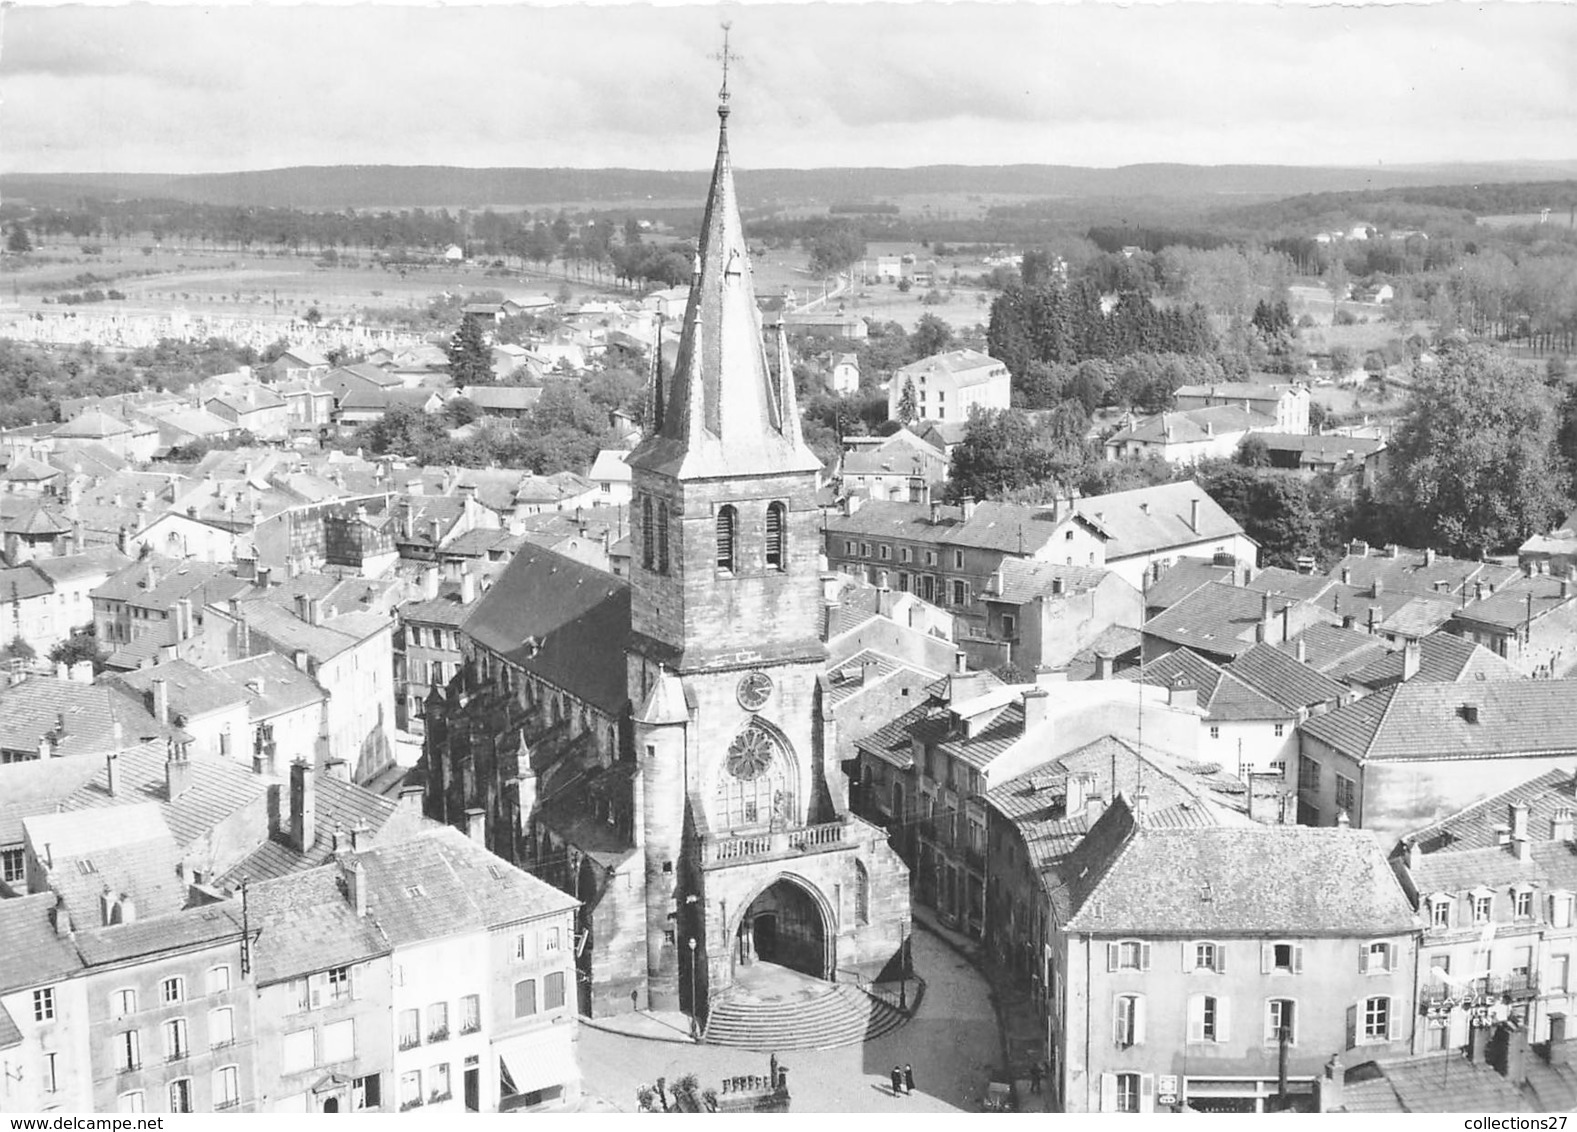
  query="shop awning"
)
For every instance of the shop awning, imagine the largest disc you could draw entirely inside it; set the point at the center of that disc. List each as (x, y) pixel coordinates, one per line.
(537, 1061)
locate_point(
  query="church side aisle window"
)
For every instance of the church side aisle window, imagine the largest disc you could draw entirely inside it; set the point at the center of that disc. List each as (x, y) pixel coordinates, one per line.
(777, 559)
(647, 544)
(662, 538)
(727, 524)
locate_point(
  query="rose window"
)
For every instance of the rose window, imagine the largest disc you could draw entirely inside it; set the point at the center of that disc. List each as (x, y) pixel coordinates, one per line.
(750, 753)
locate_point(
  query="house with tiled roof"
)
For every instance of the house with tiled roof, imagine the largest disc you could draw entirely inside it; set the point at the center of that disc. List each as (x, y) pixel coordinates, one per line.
(1288, 681)
(159, 598)
(46, 717)
(210, 709)
(1162, 524)
(1221, 621)
(299, 363)
(1395, 569)
(1500, 1072)
(1334, 650)
(1530, 621)
(1409, 754)
(1166, 584)
(106, 871)
(1244, 730)
(1437, 658)
(258, 409)
(46, 1057)
(946, 386)
(1187, 436)
(1198, 967)
(1286, 403)
(286, 711)
(901, 466)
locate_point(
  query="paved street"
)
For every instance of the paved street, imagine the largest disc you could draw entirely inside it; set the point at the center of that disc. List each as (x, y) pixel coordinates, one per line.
(952, 1043)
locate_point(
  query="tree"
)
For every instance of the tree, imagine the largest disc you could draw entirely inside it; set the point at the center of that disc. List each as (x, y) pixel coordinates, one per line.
(313, 316)
(1005, 450)
(908, 408)
(1272, 507)
(470, 361)
(1253, 452)
(931, 336)
(835, 249)
(18, 241)
(1474, 467)
(460, 411)
(83, 644)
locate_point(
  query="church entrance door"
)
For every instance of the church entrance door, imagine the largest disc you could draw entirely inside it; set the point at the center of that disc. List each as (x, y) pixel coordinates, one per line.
(765, 930)
(786, 925)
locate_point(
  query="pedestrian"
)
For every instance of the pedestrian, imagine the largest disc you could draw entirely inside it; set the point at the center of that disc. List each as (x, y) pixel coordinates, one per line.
(1034, 1077)
(897, 1082)
(908, 1078)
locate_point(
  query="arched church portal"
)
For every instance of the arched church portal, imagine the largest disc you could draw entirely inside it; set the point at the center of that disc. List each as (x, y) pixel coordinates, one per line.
(787, 924)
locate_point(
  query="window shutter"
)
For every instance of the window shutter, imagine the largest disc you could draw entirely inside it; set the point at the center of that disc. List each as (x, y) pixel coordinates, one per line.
(1188, 955)
(1108, 1092)
(1393, 1018)
(1352, 1025)
(1196, 1017)
(1147, 1092)
(356, 972)
(1297, 959)
(1223, 1020)
(1267, 958)
(1363, 958)
(1117, 1022)
(316, 983)
(1270, 1021)
(1221, 958)
(1111, 957)
(1144, 957)
(1138, 1020)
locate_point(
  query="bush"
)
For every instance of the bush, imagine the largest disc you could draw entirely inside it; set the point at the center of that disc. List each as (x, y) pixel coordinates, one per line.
(1344, 318)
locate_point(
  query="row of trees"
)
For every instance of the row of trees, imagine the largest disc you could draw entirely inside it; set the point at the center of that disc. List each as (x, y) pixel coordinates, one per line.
(1067, 324)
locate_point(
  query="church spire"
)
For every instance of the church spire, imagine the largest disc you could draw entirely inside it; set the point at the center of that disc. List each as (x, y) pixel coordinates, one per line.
(722, 413)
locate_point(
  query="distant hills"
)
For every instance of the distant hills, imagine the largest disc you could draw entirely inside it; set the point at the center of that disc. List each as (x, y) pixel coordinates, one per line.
(337, 187)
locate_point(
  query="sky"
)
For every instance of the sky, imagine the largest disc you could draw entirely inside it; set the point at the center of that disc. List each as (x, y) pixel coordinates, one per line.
(186, 88)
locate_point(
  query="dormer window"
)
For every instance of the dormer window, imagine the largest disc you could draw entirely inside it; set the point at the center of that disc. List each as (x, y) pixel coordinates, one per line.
(1378, 957)
(1440, 911)
(1522, 902)
(1483, 903)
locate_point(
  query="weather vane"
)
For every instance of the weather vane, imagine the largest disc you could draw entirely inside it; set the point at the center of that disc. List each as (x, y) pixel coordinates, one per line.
(726, 57)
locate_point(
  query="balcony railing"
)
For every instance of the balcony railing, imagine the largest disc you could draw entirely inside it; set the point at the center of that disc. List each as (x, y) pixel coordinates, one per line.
(469, 1028)
(414, 1102)
(441, 1034)
(777, 843)
(220, 1106)
(410, 1041)
(1481, 990)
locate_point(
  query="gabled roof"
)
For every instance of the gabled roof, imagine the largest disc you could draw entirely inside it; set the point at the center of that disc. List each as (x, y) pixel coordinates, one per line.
(1518, 602)
(134, 855)
(93, 425)
(1009, 527)
(270, 684)
(1284, 679)
(34, 953)
(216, 789)
(104, 560)
(1420, 572)
(1335, 651)
(1155, 518)
(562, 621)
(1193, 425)
(1434, 1082)
(1443, 658)
(21, 583)
(1024, 580)
(965, 367)
(1126, 876)
(1182, 578)
(1474, 826)
(1223, 619)
(1418, 720)
(204, 925)
(36, 708)
(156, 582)
(1223, 696)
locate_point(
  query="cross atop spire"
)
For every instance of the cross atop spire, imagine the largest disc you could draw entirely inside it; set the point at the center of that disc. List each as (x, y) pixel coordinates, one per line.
(726, 57)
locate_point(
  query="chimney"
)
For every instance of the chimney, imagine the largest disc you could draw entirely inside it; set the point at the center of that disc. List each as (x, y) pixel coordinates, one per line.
(1415, 855)
(1057, 587)
(429, 583)
(1103, 667)
(1412, 655)
(1074, 802)
(1429, 556)
(1193, 515)
(125, 909)
(1470, 713)
(1286, 622)
(1519, 832)
(1376, 587)
(1037, 703)
(1346, 575)
(1182, 695)
(360, 837)
(1557, 1028)
(476, 824)
(1374, 619)
(1300, 649)
(314, 611)
(337, 768)
(467, 587)
(355, 886)
(161, 700)
(302, 612)
(264, 575)
(1094, 807)
(960, 662)
(413, 487)
(1478, 1043)
(1390, 550)
(1358, 549)
(1508, 1051)
(62, 670)
(183, 619)
(969, 509)
(1331, 1083)
(60, 917)
(936, 514)
(1343, 821)
(1141, 804)
(303, 806)
(112, 769)
(177, 773)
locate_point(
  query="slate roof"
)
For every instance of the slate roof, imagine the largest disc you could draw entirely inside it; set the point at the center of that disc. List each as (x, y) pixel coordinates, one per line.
(34, 954)
(10, 1036)
(1239, 879)
(1223, 696)
(1288, 583)
(289, 632)
(1154, 518)
(27, 470)
(20, 583)
(36, 787)
(1419, 720)
(561, 621)
(445, 609)
(1443, 658)
(282, 687)
(1193, 425)
(37, 518)
(1284, 679)
(970, 365)
(86, 855)
(192, 691)
(304, 924)
(86, 564)
(338, 805)
(1416, 571)
(156, 582)
(1009, 527)
(1436, 1082)
(217, 789)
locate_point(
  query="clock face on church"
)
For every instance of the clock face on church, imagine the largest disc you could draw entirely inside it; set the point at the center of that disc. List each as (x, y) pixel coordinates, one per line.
(754, 690)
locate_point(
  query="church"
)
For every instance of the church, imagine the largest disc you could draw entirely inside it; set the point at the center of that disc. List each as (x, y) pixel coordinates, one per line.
(664, 747)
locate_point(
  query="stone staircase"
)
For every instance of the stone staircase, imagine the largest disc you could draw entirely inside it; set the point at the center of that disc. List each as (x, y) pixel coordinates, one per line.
(839, 1015)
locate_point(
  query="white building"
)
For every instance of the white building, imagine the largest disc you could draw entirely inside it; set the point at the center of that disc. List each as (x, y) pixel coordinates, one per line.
(948, 385)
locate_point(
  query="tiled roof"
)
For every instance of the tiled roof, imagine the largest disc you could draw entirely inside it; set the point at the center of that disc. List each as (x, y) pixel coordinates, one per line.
(191, 690)
(37, 518)
(93, 425)
(1335, 651)
(1417, 617)
(1288, 583)
(216, 789)
(1551, 865)
(279, 685)
(560, 620)
(1418, 720)
(1036, 801)
(1321, 449)
(1182, 578)
(1193, 425)
(1024, 580)
(1155, 518)
(104, 560)
(1223, 619)
(304, 924)
(445, 609)
(971, 364)
(1518, 602)
(20, 583)
(1249, 879)
(1223, 696)
(289, 632)
(1443, 658)
(191, 927)
(34, 953)
(1416, 572)
(863, 670)
(36, 787)
(1009, 527)
(1474, 827)
(1438, 1082)
(1285, 680)
(134, 855)
(36, 708)
(156, 582)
